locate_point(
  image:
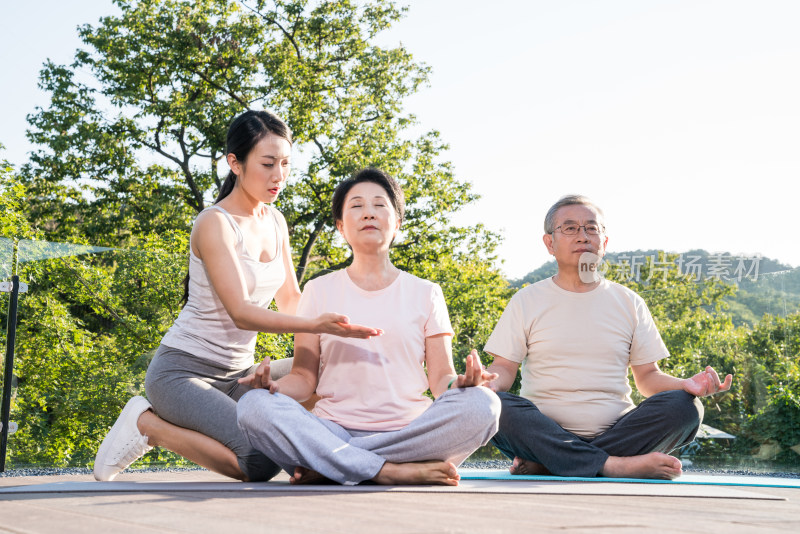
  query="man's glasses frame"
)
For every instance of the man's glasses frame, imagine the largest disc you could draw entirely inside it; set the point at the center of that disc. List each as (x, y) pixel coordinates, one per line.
(572, 229)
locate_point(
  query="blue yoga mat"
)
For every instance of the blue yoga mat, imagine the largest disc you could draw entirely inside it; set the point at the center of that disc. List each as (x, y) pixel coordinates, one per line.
(709, 480)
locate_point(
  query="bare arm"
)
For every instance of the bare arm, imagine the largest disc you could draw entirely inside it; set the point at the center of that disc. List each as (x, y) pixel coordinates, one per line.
(302, 381)
(288, 295)
(506, 371)
(651, 380)
(439, 361)
(213, 241)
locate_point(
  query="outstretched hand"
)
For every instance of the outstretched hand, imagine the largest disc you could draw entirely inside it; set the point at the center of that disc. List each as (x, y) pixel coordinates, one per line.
(475, 374)
(339, 325)
(261, 378)
(707, 383)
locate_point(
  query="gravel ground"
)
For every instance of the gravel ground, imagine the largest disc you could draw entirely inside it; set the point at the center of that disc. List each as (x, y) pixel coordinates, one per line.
(485, 464)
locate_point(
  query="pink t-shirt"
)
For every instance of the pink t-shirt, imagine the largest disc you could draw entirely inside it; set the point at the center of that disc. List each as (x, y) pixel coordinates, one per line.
(378, 383)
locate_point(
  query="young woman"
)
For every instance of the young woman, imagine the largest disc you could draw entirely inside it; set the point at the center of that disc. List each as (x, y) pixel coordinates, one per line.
(373, 420)
(239, 261)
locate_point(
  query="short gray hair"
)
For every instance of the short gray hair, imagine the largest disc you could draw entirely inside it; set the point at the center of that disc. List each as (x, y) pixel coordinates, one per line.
(569, 200)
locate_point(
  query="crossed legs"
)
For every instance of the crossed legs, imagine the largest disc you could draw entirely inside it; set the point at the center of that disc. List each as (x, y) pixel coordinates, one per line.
(425, 451)
(635, 446)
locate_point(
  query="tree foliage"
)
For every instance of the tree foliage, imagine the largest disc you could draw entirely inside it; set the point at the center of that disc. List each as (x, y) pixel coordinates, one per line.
(134, 147)
(128, 152)
(168, 76)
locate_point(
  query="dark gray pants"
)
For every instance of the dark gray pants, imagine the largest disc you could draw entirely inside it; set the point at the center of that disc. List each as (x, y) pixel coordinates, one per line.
(662, 423)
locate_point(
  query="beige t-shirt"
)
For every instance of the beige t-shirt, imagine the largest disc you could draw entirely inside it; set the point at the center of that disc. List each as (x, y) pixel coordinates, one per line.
(575, 349)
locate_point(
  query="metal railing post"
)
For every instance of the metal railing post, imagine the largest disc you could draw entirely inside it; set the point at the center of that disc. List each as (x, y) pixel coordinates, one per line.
(11, 336)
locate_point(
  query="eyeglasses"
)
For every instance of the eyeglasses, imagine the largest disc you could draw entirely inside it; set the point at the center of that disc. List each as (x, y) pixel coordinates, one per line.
(572, 229)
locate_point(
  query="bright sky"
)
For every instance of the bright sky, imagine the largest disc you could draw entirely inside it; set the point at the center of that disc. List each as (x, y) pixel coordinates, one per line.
(680, 118)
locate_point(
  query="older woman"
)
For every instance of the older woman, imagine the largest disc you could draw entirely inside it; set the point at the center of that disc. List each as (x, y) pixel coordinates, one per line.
(373, 420)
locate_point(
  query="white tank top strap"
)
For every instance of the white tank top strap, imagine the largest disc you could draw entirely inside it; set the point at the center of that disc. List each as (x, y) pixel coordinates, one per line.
(229, 217)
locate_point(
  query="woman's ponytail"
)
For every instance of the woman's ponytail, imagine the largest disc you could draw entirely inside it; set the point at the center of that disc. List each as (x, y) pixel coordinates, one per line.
(227, 186)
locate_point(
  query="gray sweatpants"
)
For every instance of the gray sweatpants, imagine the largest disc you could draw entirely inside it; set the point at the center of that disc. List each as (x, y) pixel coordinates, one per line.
(457, 423)
(194, 393)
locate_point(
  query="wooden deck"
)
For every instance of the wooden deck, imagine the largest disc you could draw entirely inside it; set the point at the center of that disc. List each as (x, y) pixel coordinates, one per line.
(383, 512)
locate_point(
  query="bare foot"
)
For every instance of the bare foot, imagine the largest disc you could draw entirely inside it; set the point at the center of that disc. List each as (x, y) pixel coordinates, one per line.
(308, 476)
(439, 473)
(652, 465)
(527, 467)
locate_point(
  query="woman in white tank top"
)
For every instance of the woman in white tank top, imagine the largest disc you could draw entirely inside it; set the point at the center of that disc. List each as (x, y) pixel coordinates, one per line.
(240, 260)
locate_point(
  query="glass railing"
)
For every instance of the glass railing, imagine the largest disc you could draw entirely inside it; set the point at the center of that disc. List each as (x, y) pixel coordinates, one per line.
(86, 327)
(6, 258)
(92, 317)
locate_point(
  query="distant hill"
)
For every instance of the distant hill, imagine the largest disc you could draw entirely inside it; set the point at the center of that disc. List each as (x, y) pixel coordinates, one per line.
(765, 285)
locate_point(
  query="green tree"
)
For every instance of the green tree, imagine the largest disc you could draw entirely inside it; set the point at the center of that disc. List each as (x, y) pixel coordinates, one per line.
(168, 76)
(12, 197)
(87, 327)
(772, 393)
(128, 153)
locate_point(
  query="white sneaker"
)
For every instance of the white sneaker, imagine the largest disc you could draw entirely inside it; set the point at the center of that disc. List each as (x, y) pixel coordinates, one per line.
(123, 444)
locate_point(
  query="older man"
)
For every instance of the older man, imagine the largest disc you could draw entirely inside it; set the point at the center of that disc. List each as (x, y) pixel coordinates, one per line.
(575, 336)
